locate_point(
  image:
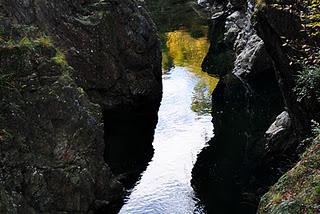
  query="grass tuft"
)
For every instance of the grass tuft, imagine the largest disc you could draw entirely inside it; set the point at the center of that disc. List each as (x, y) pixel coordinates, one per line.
(60, 59)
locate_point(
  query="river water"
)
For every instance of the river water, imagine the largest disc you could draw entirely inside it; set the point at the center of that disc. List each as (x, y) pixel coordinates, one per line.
(183, 129)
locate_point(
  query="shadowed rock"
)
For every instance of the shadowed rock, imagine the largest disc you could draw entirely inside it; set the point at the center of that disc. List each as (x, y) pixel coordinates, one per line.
(67, 69)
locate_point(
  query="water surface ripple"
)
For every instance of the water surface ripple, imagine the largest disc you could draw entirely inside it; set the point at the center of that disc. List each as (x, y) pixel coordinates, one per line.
(181, 134)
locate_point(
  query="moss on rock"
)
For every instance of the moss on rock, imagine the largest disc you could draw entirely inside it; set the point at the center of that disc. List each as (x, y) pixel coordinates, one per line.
(51, 135)
(298, 191)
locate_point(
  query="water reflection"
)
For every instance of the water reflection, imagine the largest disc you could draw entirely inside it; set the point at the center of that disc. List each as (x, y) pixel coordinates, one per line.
(201, 99)
(183, 129)
(186, 51)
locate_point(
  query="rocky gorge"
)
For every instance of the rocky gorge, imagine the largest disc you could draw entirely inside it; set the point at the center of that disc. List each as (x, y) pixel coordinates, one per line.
(81, 86)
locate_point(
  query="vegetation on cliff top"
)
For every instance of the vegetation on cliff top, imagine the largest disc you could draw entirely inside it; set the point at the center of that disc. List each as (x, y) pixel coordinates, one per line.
(311, 17)
(26, 47)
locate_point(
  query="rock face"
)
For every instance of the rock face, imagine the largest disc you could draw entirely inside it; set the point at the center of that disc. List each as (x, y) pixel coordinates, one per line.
(281, 128)
(254, 142)
(245, 103)
(279, 25)
(227, 175)
(51, 137)
(68, 69)
(170, 15)
(235, 44)
(112, 45)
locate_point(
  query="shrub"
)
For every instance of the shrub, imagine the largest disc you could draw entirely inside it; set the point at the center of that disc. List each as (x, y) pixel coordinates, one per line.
(308, 83)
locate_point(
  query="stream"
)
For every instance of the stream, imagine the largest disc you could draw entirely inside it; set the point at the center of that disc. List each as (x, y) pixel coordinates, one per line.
(183, 129)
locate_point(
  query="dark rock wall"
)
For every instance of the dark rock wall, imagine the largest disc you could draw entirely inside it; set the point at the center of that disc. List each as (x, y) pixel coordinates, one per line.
(248, 154)
(227, 175)
(112, 46)
(282, 27)
(51, 138)
(68, 70)
(115, 52)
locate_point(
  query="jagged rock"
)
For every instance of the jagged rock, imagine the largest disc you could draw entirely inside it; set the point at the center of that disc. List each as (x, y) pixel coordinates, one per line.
(112, 45)
(115, 52)
(236, 46)
(279, 127)
(279, 136)
(252, 60)
(233, 172)
(234, 24)
(51, 136)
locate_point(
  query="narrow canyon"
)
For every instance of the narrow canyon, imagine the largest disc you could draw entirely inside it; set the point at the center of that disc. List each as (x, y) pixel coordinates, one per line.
(159, 107)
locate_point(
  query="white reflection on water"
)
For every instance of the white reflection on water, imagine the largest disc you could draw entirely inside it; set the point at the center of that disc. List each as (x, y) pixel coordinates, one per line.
(181, 134)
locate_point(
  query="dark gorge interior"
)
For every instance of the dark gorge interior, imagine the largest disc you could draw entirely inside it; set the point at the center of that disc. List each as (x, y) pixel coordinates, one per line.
(128, 139)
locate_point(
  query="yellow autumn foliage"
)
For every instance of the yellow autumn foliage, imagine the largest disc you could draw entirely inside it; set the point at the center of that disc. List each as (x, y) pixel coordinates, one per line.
(312, 17)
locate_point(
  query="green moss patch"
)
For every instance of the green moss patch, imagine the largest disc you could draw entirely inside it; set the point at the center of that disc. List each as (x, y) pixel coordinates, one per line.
(28, 58)
(298, 191)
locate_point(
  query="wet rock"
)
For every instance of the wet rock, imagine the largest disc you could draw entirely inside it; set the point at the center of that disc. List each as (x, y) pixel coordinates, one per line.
(252, 60)
(234, 24)
(226, 175)
(219, 59)
(282, 124)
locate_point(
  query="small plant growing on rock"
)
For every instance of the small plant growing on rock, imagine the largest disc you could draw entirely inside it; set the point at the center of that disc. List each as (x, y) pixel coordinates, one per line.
(308, 83)
(276, 199)
(25, 42)
(44, 41)
(60, 59)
